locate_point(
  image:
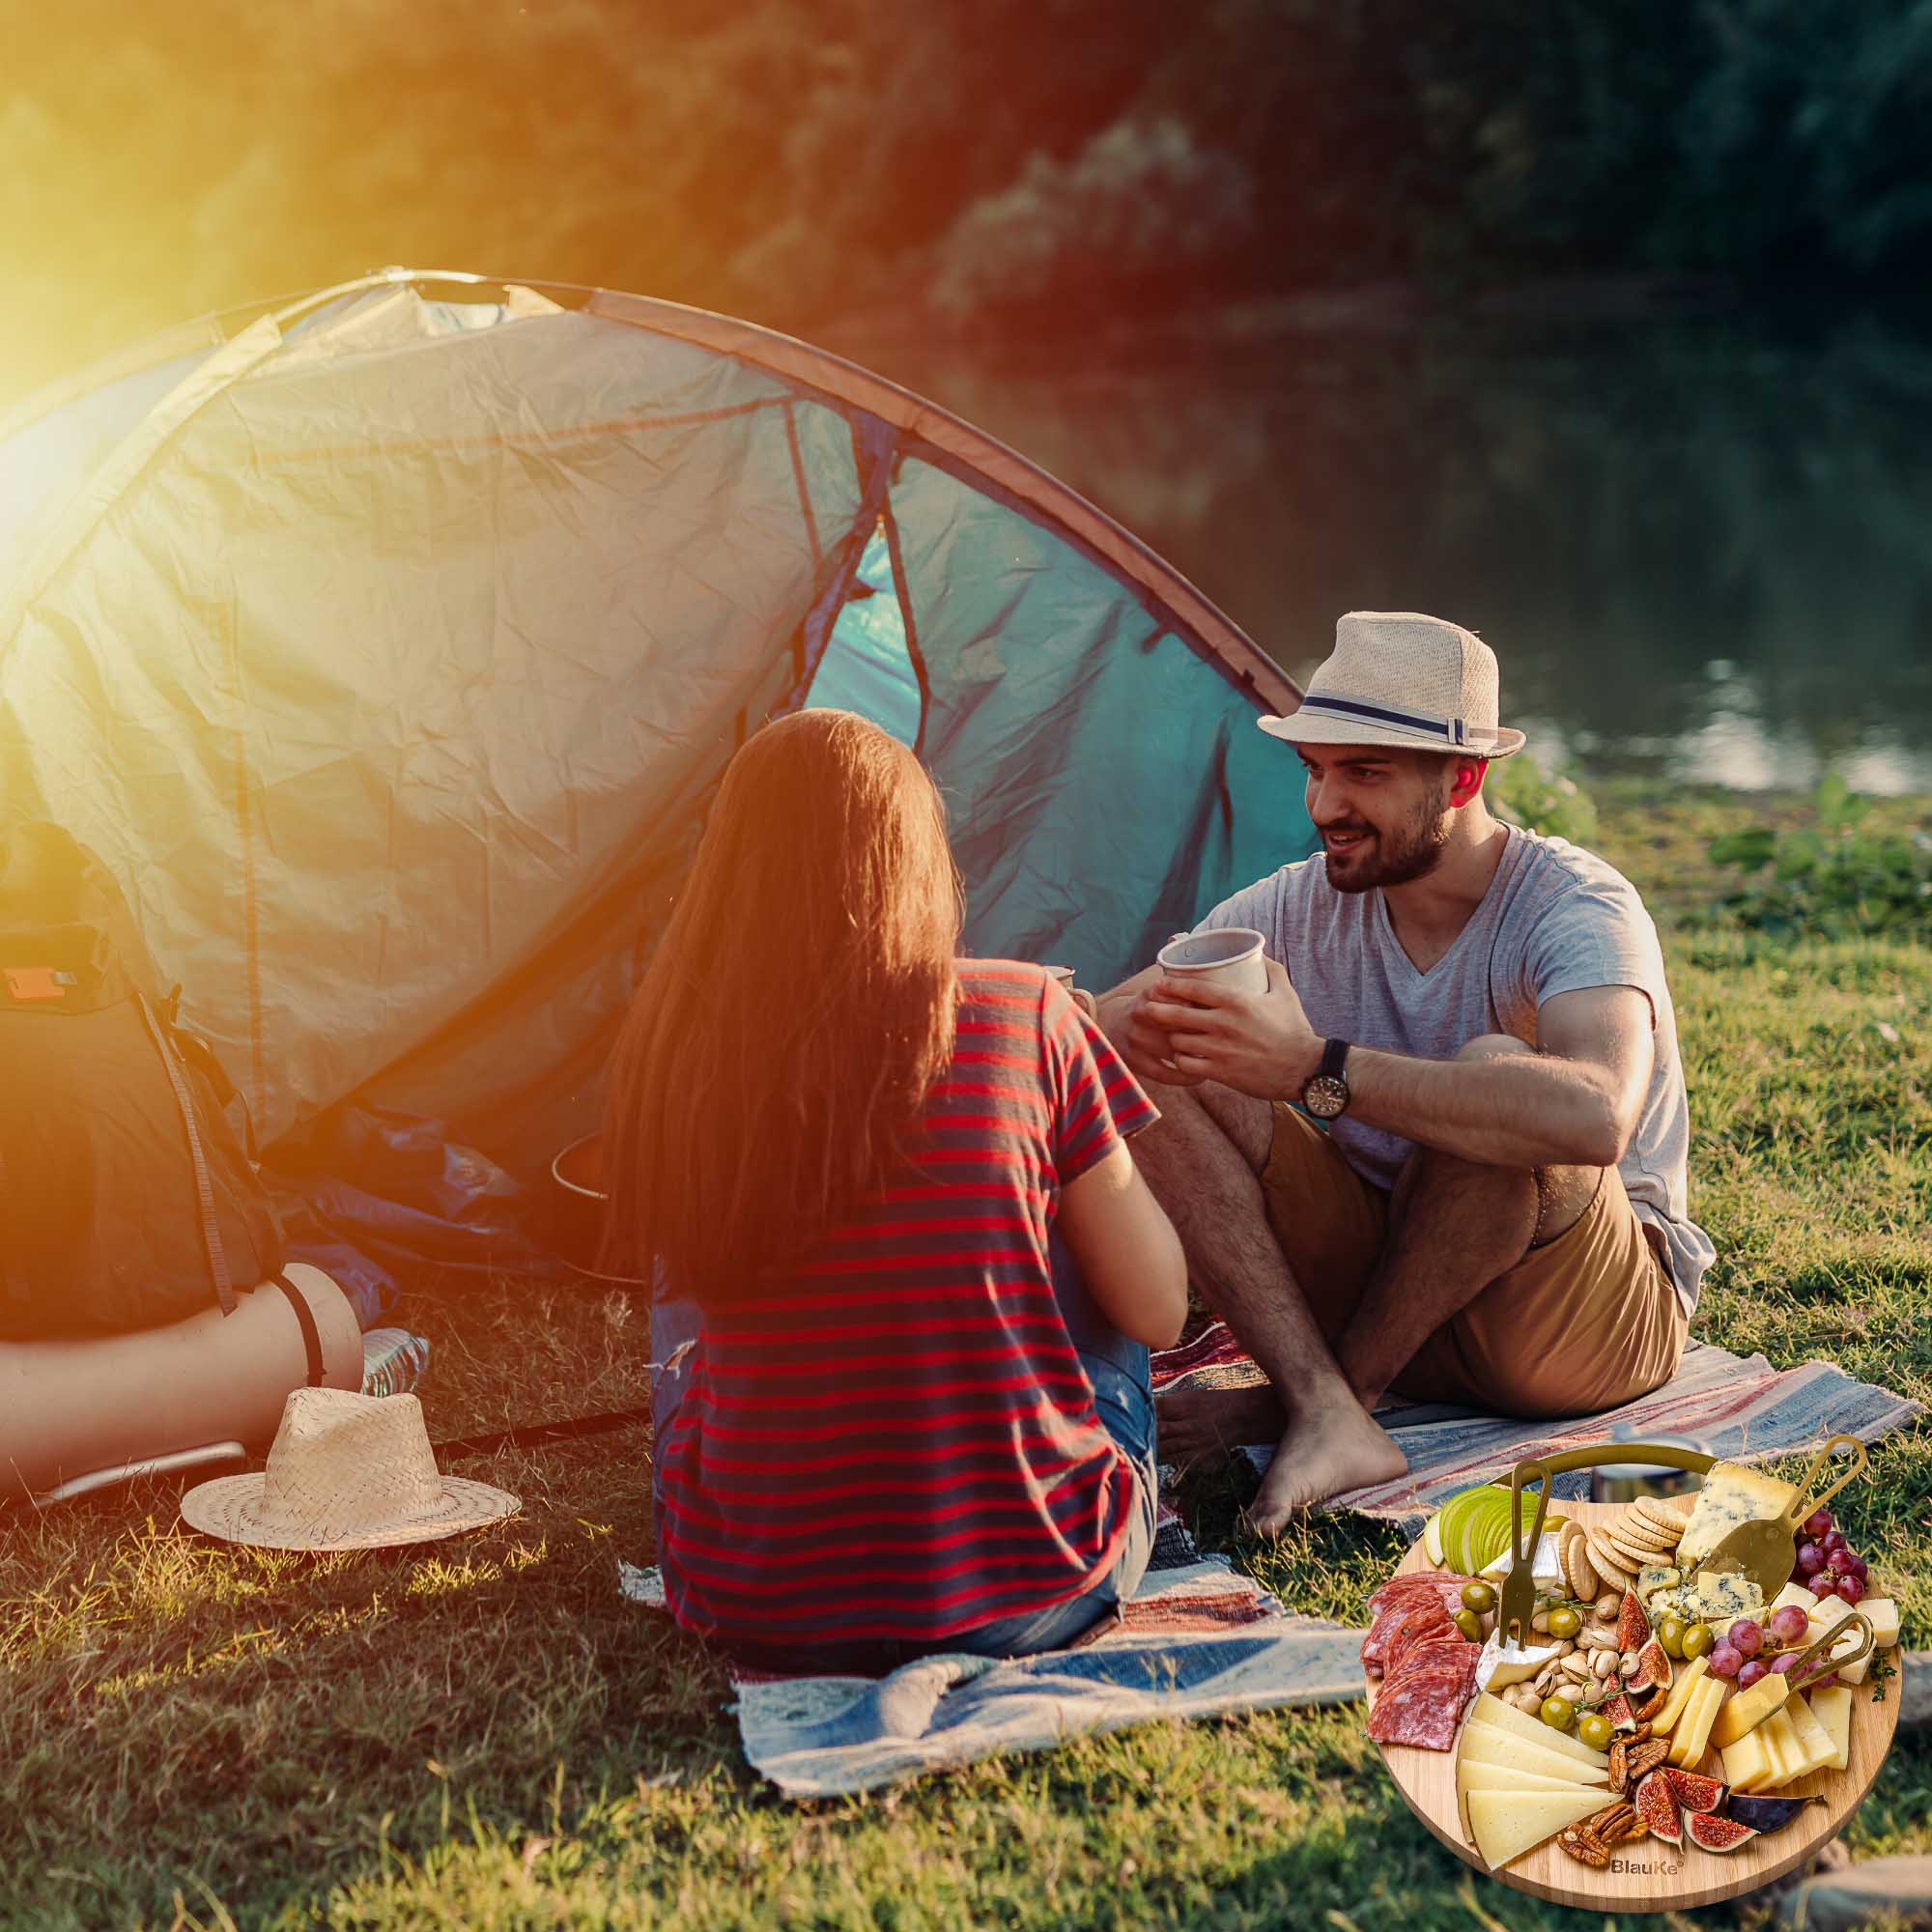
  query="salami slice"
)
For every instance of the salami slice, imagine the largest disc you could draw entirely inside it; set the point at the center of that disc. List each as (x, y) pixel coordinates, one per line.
(1423, 1710)
(1427, 1620)
(1446, 1586)
(1381, 1632)
(1432, 1653)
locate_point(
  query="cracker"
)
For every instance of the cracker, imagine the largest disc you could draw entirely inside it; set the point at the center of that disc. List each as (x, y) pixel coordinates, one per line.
(1609, 1563)
(1633, 1555)
(1669, 1522)
(1637, 1532)
(1574, 1555)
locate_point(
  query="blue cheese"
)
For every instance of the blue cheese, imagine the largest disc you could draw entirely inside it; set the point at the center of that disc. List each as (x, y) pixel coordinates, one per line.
(1656, 1576)
(1731, 1494)
(1727, 1596)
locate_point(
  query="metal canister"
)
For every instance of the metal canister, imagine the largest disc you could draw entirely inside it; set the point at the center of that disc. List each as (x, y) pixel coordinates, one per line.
(1625, 1482)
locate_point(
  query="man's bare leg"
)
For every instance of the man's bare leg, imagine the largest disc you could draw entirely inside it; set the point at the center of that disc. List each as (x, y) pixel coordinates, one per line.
(1454, 1227)
(1203, 1161)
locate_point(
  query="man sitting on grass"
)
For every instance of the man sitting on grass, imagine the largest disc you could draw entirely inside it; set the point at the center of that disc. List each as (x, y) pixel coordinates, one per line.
(1444, 1153)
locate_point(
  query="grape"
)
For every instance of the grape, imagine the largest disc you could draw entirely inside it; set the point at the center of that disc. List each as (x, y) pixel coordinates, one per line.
(1824, 1584)
(1726, 1662)
(1749, 1672)
(1784, 1662)
(1850, 1589)
(1833, 1540)
(1839, 1562)
(1811, 1559)
(1859, 1568)
(1788, 1624)
(1823, 1683)
(1745, 1637)
(1818, 1522)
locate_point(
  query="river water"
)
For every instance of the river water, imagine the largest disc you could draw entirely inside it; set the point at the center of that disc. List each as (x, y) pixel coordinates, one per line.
(1701, 545)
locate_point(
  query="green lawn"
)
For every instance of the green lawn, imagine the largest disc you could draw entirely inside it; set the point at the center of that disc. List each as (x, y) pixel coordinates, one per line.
(483, 1735)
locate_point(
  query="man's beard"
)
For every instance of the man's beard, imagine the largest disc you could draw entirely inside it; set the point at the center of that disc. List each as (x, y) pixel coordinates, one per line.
(1411, 851)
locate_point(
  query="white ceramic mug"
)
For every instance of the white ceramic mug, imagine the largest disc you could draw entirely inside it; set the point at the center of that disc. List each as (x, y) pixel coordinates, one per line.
(1230, 956)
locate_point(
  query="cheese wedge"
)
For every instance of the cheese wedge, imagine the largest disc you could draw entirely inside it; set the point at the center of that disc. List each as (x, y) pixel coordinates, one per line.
(1882, 1613)
(1502, 1662)
(1748, 1709)
(1498, 1715)
(1814, 1742)
(1483, 1746)
(1828, 1613)
(1506, 1824)
(1728, 1598)
(1731, 1494)
(1692, 1730)
(1472, 1775)
(1748, 1764)
(1832, 1711)
(1689, 1677)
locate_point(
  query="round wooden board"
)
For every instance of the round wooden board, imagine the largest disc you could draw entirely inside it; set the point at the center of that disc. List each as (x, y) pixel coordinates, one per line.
(1649, 1875)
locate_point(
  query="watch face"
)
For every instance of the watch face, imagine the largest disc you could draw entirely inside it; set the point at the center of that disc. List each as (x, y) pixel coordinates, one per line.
(1326, 1095)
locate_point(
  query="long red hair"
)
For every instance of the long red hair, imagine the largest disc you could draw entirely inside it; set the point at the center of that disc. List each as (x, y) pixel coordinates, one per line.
(775, 1064)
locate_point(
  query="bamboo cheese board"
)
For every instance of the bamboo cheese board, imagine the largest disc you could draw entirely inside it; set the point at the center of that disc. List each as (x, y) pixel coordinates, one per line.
(1652, 1875)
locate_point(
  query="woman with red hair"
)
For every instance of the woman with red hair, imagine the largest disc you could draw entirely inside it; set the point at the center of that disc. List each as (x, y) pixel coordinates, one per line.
(850, 1160)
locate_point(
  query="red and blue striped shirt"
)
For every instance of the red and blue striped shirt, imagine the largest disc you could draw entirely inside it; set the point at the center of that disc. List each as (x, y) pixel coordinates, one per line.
(899, 1441)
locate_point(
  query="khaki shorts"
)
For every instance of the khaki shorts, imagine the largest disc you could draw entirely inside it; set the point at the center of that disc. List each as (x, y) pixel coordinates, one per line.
(1582, 1323)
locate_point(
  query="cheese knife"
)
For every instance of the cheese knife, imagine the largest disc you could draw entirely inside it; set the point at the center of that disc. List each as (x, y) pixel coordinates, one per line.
(1766, 1550)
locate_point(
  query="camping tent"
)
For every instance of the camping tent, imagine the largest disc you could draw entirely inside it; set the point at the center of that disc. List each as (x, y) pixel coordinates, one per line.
(388, 644)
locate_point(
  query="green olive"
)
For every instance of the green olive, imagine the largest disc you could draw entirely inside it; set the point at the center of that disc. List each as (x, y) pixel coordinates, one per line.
(1596, 1731)
(1698, 1640)
(1558, 1713)
(1470, 1625)
(1565, 1621)
(1479, 1597)
(1671, 1635)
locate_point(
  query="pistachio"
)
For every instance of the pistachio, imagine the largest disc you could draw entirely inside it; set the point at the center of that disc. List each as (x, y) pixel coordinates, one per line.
(1608, 1605)
(1540, 1621)
(1626, 1664)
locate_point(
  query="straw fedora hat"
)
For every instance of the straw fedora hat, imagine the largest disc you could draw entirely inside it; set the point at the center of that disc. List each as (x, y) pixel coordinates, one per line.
(1397, 678)
(346, 1471)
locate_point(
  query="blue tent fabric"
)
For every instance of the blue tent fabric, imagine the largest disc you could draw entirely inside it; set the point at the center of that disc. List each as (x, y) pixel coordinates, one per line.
(389, 646)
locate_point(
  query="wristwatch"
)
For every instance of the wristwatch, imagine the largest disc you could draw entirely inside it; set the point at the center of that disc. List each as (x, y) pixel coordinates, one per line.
(1327, 1095)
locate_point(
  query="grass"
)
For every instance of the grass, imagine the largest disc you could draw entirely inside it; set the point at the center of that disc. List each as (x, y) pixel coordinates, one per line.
(482, 1735)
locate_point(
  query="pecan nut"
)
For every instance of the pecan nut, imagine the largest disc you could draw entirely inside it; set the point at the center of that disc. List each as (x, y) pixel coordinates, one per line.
(1642, 1758)
(1619, 1767)
(1585, 1847)
(1610, 1823)
(1650, 1707)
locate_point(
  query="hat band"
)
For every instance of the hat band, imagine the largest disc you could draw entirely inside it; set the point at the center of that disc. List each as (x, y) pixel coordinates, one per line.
(1452, 731)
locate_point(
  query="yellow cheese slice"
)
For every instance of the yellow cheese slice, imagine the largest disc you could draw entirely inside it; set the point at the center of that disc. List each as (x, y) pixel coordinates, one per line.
(1692, 1731)
(1748, 1764)
(1474, 1775)
(1689, 1677)
(1797, 1597)
(1831, 1712)
(1815, 1744)
(1731, 1494)
(1748, 1709)
(1506, 1824)
(1787, 1754)
(1482, 1744)
(1493, 1711)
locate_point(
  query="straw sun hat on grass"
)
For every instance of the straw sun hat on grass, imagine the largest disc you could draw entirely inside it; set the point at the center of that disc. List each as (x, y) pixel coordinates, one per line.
(347, 1471)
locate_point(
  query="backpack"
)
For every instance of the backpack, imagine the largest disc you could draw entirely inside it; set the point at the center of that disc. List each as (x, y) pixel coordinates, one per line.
(127, 1199)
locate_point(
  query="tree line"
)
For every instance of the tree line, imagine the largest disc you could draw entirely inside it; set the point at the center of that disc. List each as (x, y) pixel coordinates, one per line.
(985, 164)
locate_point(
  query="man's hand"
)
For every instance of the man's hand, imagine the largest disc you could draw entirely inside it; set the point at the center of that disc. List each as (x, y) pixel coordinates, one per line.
(1258, 1043)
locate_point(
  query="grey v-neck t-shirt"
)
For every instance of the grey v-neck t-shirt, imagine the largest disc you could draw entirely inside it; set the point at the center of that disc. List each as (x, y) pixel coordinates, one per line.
(1555, 920)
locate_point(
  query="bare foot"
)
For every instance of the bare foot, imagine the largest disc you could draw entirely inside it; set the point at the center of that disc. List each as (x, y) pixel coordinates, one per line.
(1195, 1422)
(1324, 1453)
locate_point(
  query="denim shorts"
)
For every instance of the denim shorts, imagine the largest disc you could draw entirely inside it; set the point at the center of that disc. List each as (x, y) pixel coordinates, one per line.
(1124, 1402)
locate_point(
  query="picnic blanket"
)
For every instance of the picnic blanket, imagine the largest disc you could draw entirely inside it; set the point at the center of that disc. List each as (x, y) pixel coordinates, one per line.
(1737, 1407)
(1196, 1639)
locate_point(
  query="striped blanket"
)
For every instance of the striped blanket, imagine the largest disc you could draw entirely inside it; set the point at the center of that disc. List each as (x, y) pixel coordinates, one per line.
(1737, 1407)
(1198, 1639)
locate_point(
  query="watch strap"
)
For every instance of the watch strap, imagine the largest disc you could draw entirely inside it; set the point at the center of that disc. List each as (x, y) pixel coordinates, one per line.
(1334, 1056)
